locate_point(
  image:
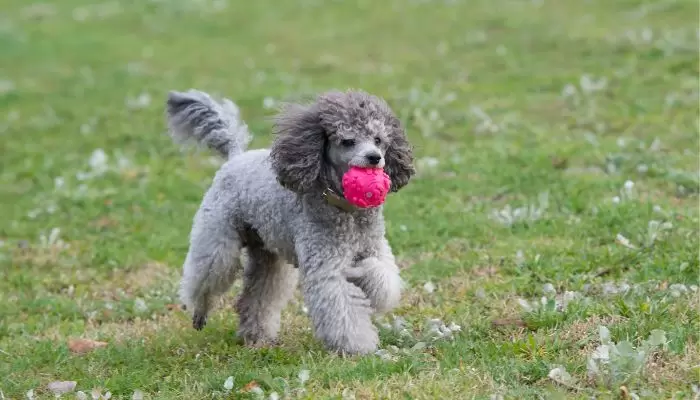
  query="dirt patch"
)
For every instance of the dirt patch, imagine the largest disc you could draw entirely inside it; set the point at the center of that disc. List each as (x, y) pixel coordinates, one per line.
(506, 317)
(294, 323)
(485, 271)
(664, 368)
(116, 332)
(585, 332)
(152, 275)
(656, 196)
(147, 276)
(458, 286)
(430, 383)
(47, 253)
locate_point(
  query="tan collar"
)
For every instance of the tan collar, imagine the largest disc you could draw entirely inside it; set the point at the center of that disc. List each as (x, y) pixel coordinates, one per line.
(336, 200)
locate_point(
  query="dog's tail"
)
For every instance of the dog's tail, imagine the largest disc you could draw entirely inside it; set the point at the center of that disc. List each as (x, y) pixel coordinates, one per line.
(195, 116)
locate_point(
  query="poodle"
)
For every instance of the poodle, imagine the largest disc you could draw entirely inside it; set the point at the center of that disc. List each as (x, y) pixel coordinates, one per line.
(283, 208)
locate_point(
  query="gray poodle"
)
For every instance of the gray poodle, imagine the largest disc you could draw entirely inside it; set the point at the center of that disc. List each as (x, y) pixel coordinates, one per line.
(284, 208)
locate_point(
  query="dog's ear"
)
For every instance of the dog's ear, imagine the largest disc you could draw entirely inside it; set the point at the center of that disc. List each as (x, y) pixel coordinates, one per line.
(297, 151)
(399, 158)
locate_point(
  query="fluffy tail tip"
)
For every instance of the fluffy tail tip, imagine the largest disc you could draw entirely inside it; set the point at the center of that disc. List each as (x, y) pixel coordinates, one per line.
(195, 116)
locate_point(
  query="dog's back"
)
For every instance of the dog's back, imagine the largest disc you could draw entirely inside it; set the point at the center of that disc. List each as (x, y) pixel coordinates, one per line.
(247, 188)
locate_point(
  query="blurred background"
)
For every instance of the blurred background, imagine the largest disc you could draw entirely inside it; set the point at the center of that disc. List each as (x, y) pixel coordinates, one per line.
(556, 144)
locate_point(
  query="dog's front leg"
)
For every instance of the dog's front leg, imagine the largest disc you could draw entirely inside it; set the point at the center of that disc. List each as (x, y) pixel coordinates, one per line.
(378, 276)
(340, 311)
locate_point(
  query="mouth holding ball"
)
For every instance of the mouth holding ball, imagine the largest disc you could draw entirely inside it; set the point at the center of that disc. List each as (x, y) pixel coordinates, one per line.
(366, 187)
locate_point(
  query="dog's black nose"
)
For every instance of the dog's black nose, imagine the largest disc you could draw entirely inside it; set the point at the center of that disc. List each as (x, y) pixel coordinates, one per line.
(374, 158)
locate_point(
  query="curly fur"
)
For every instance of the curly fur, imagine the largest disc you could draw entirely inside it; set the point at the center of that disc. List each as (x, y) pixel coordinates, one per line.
(194, 115)
(268, 205)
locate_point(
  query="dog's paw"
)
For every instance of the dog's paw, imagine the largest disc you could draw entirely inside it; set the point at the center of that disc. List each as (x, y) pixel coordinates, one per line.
(199, 321)
(362, 341)
(358, 270)
(261, 343)
(255, 338)
(380, 282)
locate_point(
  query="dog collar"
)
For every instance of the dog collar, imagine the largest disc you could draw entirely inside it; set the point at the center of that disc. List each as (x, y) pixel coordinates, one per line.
(338, 201)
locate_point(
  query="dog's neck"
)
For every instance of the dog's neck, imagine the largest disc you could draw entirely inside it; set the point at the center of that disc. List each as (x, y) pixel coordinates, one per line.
(331, 186)
(332, 200)
(336, 200)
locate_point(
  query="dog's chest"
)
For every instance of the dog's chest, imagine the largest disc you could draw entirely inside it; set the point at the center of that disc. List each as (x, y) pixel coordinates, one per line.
(357, 234)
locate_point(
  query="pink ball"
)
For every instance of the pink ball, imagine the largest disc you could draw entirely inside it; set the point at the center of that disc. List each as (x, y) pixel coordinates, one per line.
(366, 187)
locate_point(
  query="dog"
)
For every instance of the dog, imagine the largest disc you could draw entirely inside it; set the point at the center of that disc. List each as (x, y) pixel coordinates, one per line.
(283, 208)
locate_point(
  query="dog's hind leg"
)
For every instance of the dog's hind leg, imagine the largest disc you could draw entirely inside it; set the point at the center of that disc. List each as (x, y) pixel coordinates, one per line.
(212, 263)
(268, 284)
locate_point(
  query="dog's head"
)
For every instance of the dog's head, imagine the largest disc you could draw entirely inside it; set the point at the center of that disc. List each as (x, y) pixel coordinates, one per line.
(316, 144)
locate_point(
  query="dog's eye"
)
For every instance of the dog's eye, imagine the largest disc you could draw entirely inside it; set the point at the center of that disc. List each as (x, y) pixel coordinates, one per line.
(377, 141)
(348, 142)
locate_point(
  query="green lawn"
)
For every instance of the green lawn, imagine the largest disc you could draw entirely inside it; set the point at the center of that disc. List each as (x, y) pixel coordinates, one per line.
(557, 148)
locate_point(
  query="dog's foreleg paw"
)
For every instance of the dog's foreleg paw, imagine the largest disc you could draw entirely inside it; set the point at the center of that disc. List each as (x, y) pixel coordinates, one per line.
(380, 280)
(199, 321)
(261, 344)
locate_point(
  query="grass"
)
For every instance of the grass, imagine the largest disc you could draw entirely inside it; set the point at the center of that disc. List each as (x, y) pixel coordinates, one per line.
(557, 147)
